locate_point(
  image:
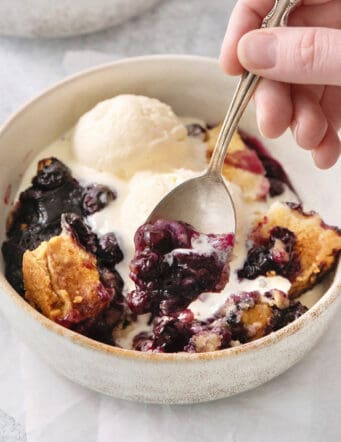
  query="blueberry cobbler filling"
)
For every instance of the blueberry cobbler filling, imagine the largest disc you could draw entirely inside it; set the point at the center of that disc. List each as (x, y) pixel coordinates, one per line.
(72, 273)
(242, 318)
(174, 264)
(37, 214)
(273, 169)
(56, 202)
(108, 253)
(274, 254)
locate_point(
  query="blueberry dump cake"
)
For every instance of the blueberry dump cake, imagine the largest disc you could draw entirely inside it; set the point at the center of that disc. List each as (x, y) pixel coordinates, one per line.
(79, 251)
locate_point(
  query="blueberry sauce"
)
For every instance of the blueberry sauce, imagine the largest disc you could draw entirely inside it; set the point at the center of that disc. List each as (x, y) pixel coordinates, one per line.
(169, 272)
(273, 169)
(273, 254)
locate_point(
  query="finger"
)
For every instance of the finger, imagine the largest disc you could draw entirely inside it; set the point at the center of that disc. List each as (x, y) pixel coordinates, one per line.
(316, 90)
(274, 107)
(246, 16)
(328, 152)
(309, 124)
(293, 55)
(331, 105)
(326, 15)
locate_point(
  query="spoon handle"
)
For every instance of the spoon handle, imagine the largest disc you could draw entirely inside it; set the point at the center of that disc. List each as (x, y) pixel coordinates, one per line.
(278, 16)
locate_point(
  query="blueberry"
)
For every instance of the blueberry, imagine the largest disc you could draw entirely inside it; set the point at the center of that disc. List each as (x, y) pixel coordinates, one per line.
(111, 279)
(52, 173)
(258, 263)
(159, 240)
(162, 236)
(139, 301)
(284, 235)
(143, 342)
(197, 131)
(96, 197)
(80, 231)
(108, 249)
(171, 334)
(276, 187)
(285, 316)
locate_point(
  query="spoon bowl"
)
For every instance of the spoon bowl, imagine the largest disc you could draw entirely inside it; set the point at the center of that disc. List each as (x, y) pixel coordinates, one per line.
(204, 202)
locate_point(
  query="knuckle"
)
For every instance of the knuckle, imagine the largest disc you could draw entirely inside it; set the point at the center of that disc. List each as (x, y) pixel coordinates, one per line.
(310, 50)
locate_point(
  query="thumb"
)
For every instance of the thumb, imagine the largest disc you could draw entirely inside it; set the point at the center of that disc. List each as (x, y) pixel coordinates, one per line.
(293, 55)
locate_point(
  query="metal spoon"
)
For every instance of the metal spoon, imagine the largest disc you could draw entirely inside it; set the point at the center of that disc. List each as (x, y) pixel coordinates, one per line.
(205, 202)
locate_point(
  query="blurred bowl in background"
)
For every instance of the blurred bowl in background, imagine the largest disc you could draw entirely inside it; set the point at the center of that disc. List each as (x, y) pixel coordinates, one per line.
(62, 18)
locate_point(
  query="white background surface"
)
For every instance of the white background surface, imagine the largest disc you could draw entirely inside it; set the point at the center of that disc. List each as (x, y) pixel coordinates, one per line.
(38, 405)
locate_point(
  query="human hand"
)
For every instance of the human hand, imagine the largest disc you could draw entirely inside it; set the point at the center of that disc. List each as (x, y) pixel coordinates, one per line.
(301, 66)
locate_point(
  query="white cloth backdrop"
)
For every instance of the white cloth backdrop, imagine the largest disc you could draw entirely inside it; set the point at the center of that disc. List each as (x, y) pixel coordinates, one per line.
(38, 405)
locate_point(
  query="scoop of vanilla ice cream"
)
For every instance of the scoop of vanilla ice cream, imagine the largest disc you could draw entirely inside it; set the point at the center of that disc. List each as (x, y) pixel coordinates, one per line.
(146, 189)
(129, 133)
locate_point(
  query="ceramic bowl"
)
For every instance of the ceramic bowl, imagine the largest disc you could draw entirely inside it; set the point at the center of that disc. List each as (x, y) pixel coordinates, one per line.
(193, 86)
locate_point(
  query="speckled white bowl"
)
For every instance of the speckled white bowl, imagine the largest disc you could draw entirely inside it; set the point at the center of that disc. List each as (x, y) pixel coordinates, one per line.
(193, 86)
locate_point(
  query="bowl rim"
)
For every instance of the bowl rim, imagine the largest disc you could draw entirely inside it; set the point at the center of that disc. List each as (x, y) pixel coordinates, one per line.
(328, 298)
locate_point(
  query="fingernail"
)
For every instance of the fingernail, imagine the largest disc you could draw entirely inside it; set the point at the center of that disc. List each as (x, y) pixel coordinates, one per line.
(258, 50)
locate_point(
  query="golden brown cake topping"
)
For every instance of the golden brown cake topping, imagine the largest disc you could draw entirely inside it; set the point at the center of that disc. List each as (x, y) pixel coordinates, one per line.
(61, 280)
